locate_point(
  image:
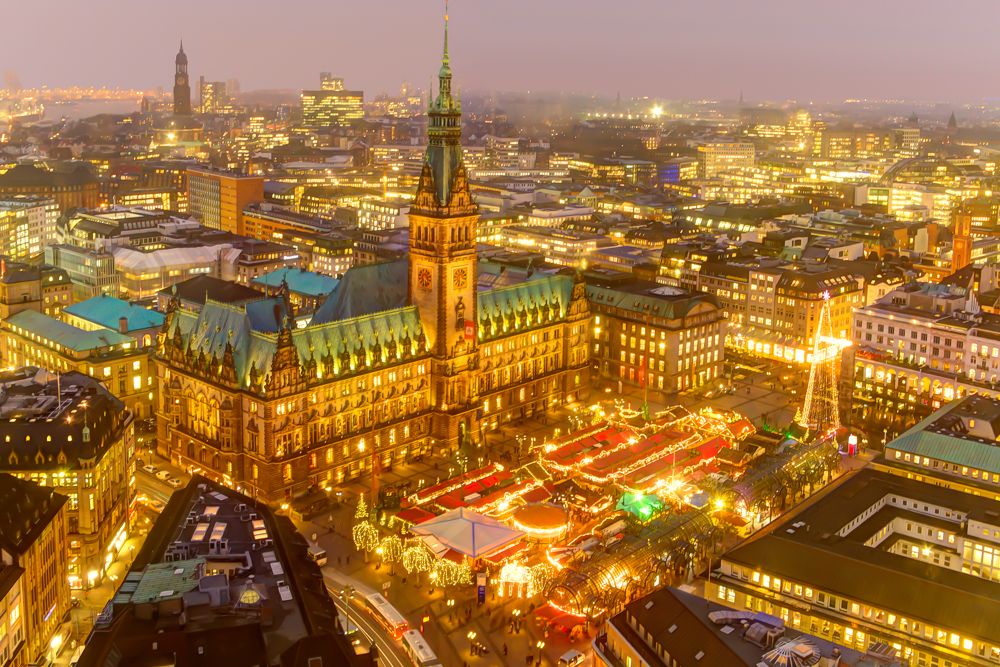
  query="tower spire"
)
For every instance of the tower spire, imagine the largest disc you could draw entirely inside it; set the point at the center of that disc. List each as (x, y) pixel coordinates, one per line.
(182, 44)
(445, 58)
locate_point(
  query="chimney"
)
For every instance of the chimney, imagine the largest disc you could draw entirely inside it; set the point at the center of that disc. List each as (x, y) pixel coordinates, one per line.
(123, 324)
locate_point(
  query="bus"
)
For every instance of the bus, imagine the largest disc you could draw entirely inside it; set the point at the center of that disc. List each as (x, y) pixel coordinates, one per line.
(417, 650)
(386, 615)
(317, 555)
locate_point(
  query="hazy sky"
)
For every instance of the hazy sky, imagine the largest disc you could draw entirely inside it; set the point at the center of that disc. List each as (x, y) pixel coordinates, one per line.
(772, 49)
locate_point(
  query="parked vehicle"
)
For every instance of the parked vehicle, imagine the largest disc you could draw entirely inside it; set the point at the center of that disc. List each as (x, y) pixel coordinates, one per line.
(150, 469)
(174, 482)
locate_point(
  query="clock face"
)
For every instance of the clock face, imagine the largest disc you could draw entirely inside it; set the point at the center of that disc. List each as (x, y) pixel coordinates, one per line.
(461, 278)
(180, 81)
(424, 278)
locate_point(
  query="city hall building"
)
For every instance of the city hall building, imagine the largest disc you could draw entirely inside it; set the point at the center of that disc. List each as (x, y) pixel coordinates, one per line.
(419, 354)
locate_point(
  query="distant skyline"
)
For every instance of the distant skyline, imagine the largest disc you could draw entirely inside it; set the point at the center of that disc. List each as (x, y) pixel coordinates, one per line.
(927, 50)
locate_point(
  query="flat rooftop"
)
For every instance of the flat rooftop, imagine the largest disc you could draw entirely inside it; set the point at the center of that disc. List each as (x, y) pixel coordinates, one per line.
(816, 545)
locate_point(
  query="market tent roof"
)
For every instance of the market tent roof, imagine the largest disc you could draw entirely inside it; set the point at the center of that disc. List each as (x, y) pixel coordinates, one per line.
(414, 515)
(557, 616)
(468, 533)
(640, 505)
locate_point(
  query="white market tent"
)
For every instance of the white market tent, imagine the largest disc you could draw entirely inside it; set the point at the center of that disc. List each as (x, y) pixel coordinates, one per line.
(468, 533)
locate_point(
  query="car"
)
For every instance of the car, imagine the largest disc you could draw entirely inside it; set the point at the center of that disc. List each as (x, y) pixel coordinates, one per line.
(570, 659)
(150, 469)
(174, 482)
(156, 505)
(163, 475)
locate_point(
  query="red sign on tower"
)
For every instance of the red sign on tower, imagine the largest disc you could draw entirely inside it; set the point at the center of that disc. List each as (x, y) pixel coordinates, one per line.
(470, 330)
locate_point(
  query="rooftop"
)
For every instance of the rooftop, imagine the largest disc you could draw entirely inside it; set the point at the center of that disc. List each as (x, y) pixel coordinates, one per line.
(826, 537)
(695, 631)
(58, 333)
(299, 281)
(219, 580)
(107, 311)
(202, 287)
(25, 510)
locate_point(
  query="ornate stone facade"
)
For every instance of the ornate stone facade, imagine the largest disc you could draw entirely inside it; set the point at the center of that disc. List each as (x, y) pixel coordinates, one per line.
(403, 358)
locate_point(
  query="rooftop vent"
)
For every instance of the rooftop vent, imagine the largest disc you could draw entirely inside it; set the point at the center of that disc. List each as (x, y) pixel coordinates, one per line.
(649, 604)
(672, 628)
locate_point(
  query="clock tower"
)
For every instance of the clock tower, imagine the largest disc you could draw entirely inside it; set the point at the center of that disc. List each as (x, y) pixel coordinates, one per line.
(182, 86)
(443, 272)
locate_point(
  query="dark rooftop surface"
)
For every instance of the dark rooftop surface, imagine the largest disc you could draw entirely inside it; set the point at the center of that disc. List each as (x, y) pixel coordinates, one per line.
(815, 545)
(200, 288)
(696, 631)
(25, 510)
(220, 581)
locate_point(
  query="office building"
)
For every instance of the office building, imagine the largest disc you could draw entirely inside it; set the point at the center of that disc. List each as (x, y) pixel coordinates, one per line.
(217, 197)
(70, 184)
(213, 96)
(673, 628)
(233, 87)
(326, 108)
(27, 225)
(921, 346)
(720, 156)
(116, 359)
(221, 590)
(774, 307)
(379, 214)
(91, 272)
(651, 336)
(33, 545)
(429, 355)
(329, 82)
(559, 246)
(901, 553)
(45, 289)
(82, 445)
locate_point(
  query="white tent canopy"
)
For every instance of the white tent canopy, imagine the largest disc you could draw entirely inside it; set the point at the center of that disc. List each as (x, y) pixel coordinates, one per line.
(468, 533)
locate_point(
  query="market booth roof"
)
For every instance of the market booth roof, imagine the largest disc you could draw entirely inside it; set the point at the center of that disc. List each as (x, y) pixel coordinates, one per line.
(468, 533)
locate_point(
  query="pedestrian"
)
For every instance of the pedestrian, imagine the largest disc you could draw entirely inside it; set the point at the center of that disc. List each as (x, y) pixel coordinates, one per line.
(505, 648)
(348, 559)
(339, 559)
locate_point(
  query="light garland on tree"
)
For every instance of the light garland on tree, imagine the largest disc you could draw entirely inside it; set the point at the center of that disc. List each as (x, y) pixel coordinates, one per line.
(417, 559)
(392, 549)
(365, 536)
(448, 573)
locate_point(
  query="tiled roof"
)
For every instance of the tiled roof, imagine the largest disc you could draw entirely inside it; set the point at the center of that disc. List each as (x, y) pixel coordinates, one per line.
(106, 311)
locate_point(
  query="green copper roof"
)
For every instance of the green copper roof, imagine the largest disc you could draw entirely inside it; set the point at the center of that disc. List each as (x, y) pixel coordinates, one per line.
(66, 335)
(921, 440)
(531, 298)
(299, 281)
(106, 311)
